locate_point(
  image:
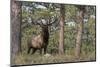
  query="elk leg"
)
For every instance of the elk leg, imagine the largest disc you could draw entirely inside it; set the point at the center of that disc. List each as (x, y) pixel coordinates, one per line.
(40, 51)
(45, 48)
(34, 50)
(29, 50)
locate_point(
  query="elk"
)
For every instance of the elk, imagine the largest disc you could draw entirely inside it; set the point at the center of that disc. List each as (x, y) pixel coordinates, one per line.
(40, 41)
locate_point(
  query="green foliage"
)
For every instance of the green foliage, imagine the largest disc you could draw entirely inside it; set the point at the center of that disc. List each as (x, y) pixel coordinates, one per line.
(70, 12)
(41, 13)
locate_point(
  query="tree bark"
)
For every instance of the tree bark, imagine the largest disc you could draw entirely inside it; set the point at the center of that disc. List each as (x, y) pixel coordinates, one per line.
(61, 33)
(79, 33)
(15, 27)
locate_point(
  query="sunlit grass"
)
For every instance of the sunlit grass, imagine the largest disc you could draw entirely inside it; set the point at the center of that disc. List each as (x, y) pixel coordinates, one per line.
(41, 59)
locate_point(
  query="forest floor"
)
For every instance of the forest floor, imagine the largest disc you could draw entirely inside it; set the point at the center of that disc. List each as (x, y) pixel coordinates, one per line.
(24, 59)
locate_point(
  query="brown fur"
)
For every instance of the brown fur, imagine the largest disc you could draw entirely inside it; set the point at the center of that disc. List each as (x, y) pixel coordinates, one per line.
(40, 41)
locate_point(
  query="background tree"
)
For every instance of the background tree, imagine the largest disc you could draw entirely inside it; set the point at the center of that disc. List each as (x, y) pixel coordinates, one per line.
(61, 32)
(80, 20)
(15, 27)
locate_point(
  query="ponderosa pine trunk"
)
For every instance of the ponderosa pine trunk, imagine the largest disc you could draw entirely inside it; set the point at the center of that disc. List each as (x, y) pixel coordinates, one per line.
(79, 33)
(15, 27)
(61, 32)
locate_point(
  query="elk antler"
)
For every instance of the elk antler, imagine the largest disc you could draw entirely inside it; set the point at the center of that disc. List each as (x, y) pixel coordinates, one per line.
(43, 21)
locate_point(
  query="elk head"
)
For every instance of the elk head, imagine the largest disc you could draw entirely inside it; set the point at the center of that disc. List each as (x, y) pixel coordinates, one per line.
(44, 24)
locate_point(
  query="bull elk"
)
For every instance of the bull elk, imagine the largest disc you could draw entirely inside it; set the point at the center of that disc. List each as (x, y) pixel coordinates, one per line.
(40, 41)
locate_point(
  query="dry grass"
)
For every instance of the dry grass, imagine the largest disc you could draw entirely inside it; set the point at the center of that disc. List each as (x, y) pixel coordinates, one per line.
(23, 58)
